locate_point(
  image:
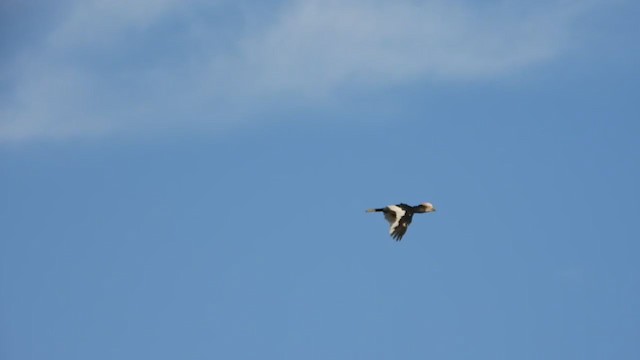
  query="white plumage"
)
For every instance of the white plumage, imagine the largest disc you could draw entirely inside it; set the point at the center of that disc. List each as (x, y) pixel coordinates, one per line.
(393, 216)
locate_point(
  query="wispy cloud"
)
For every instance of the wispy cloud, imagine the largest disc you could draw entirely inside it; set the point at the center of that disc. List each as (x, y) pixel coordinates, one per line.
(119, 66)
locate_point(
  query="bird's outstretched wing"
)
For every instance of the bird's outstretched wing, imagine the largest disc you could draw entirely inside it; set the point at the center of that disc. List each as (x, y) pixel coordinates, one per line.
(398, 221)
(398, 232)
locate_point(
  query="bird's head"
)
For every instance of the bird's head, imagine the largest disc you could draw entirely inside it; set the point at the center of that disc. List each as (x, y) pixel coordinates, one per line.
(427, 207)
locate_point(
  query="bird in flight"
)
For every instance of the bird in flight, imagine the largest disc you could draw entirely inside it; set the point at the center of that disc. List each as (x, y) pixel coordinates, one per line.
(399, 216)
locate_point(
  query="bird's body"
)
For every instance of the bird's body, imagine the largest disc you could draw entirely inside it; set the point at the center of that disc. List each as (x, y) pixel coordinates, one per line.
(399, 217)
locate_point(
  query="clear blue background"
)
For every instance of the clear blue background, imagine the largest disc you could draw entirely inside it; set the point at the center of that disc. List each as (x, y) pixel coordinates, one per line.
(252, 241)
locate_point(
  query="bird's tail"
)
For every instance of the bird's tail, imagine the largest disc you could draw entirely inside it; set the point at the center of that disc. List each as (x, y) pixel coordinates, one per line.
(374, 210)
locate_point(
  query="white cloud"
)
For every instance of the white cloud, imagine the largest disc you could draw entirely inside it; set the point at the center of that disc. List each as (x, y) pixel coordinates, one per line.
(318, 44)
(118, 66)
(105, 21)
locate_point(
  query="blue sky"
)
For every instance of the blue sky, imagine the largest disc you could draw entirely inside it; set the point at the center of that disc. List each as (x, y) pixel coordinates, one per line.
(188, 179)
